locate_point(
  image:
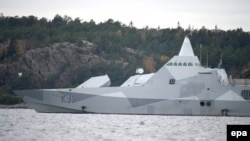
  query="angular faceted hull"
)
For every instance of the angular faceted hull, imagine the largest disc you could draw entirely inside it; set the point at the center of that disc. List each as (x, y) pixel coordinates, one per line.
(116, 101)
(181, 87)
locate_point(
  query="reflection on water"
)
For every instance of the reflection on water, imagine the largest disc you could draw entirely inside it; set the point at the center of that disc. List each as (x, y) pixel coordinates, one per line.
(26, 124)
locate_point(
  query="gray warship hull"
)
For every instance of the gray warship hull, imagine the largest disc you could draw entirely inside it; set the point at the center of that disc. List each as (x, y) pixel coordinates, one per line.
(180, 87)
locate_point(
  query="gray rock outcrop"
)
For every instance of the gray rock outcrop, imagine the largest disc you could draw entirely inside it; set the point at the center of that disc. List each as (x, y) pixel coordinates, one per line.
(42, 63)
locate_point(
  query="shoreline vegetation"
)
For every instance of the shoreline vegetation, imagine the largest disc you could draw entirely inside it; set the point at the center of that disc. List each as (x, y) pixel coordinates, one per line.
(15, 106)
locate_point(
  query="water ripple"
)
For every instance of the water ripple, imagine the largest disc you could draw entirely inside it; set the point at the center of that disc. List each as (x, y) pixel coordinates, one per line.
(26, 124)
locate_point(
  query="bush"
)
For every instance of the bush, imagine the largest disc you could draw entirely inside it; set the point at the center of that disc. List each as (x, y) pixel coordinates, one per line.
(8, 99)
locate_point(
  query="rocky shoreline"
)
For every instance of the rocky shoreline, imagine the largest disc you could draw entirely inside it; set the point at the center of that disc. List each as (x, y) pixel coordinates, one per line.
(16, 106)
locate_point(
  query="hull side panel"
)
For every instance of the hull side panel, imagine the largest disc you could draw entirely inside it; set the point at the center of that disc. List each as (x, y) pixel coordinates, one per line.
(107, 104)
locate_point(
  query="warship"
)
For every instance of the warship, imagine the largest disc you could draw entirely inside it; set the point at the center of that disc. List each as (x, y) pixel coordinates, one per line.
(180, 87)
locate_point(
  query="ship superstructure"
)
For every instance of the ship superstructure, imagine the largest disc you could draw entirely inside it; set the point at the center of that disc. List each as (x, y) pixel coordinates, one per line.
(181, 87)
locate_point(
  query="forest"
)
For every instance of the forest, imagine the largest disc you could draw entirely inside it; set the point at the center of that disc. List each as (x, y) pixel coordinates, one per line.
(151, 47)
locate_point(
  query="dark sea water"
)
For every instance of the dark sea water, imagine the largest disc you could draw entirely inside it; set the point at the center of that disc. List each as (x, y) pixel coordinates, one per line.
(28, 125)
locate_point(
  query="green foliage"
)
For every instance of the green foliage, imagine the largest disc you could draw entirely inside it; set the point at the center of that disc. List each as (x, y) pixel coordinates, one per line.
(14, 83)
(7, 99)
(112, 36)
(21, 82)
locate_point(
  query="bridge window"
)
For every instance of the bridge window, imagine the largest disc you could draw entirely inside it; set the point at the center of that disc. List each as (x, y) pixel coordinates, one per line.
(245, 94)
(170, 64)
(182, 64)
(172, 81)
(190, 64)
